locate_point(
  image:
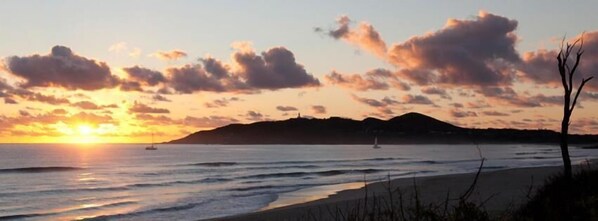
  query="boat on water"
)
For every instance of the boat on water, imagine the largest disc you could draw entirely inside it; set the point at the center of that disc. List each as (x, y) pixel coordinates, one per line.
(151, 147)
(376, 146)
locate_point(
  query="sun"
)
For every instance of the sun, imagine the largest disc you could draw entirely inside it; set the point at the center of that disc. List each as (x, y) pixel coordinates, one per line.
(86, 134)
(85, 130)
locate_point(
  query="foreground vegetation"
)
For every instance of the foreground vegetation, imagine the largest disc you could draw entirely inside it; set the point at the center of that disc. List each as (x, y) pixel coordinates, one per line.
(563, 199)
(558, 199)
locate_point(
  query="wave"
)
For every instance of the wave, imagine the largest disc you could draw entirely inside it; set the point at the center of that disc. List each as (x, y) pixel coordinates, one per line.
(214, 164)
(32, 215)
(317, 173)
(536, 158)
(493, 167)
(155, 210)
(38, 169)
(73, 190)
(220, 164)
(283, 167)
(24, 216)
(205, 180)
(527, 153)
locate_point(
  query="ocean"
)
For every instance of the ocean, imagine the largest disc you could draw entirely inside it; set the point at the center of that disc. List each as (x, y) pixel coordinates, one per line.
(192, 182)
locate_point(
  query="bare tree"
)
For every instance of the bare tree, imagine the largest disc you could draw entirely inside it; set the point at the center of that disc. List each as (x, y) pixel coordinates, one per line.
(567, 74)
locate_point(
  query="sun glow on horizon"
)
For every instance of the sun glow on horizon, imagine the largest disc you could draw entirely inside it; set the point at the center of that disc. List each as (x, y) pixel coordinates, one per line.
(84, 134)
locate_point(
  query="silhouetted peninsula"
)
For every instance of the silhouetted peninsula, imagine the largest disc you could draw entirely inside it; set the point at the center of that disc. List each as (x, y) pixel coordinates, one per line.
(410, 128)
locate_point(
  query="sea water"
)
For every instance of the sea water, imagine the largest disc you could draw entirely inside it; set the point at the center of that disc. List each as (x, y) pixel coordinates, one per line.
(191, 182)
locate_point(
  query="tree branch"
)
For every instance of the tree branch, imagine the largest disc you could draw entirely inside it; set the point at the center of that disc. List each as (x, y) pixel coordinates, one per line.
(583, 82)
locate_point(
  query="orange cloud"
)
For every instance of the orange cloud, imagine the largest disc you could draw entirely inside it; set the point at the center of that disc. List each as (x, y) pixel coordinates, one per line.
(142, 108)
(169, 55)
(364, 36)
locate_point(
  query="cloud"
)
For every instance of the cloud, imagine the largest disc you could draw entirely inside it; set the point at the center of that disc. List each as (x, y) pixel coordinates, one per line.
(196, 122)
(130, 86)
(135, 52)
(192, 78)
(158, 97)
(88, 105)
(118, 47)
(318, 109)
(142, 108)
(169, 55)
(375, 103)
(364, 36)
(456, 105)
(145, 76)
(215, 67)
(495, 113)
(286, 108)
(210, 121)
(436, 91)
(223, 102)
(48, 121)
(89, 118)
(149, 119)
(462, 114)
(254, 116)
(476, 52)
(377, 79)
(383, 106)
(416, 99)
(274, 69)
(61, 68)
(540, 66)
(38, 97)
(8, 100)
(59, 111)
(506, 95)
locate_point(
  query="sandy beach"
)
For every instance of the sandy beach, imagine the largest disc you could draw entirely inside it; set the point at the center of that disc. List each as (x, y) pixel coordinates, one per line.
(499, 191)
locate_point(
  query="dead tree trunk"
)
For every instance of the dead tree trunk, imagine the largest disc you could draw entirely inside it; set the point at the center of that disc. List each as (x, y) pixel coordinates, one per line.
(567, 73)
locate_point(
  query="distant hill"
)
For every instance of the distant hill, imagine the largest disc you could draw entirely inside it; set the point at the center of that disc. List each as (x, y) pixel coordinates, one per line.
(411, 128)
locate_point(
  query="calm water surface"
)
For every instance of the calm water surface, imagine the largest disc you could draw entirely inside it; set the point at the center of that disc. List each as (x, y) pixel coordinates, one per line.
(190, 182)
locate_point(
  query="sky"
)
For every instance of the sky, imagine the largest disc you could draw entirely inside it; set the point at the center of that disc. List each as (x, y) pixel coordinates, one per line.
(120, 71)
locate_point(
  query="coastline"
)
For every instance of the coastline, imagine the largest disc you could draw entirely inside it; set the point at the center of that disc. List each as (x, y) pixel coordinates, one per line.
(499, 190)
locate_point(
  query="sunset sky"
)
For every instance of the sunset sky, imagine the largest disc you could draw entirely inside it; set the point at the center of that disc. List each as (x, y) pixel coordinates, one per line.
(117, 71)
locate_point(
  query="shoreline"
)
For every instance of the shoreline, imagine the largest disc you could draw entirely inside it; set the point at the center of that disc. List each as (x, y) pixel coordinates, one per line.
(500, 190)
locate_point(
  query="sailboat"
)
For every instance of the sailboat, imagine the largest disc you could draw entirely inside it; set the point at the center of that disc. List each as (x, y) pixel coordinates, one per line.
(151, 147)
(376, 144)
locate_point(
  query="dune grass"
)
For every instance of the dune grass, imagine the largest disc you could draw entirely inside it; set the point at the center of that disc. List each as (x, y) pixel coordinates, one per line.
(563, 199)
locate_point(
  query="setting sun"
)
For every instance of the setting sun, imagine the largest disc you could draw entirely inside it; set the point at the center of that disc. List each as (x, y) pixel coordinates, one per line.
(85, 130)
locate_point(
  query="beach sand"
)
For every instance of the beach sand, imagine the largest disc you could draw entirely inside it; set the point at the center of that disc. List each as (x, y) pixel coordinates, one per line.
(502, 191)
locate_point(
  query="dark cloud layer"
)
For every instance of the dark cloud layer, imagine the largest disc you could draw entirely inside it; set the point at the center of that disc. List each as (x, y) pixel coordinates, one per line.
(61, 68)
(145, 76)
